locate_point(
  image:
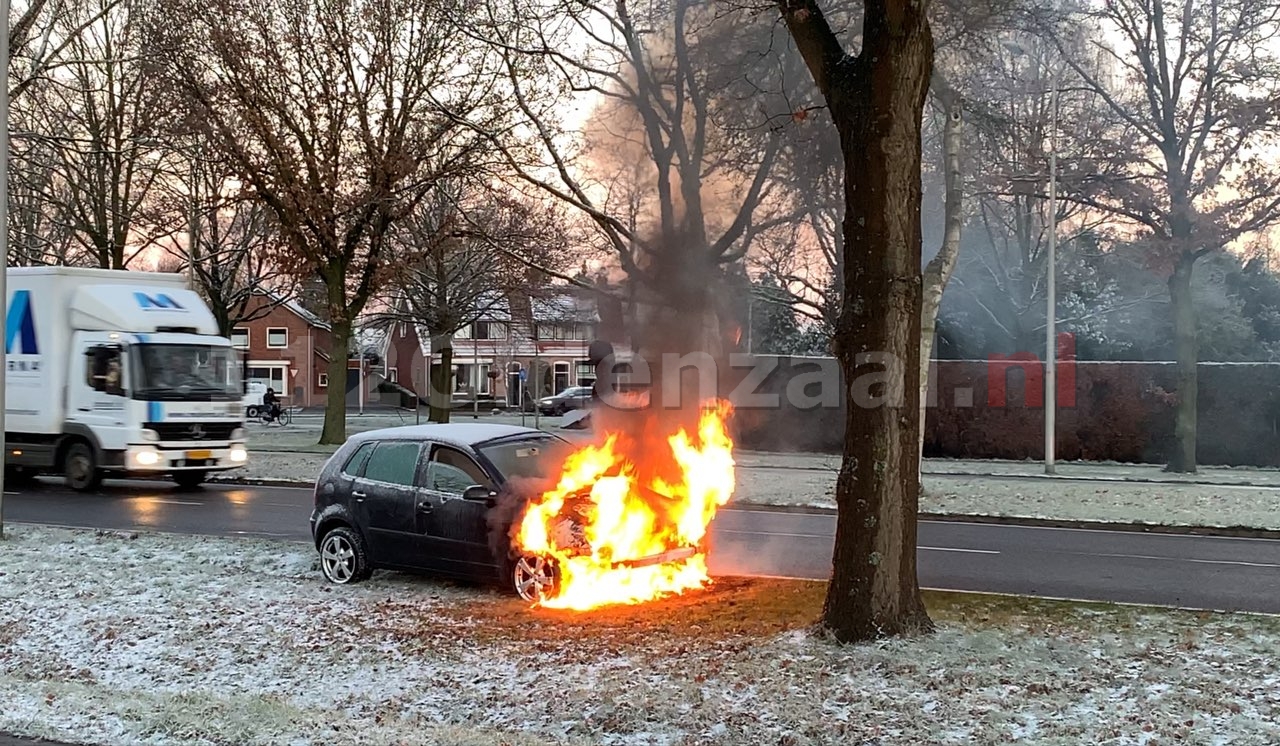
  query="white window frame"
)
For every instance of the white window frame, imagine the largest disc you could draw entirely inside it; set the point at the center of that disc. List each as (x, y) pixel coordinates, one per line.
(271, 329)
(322, 381)
(393, 375)
(248, 337)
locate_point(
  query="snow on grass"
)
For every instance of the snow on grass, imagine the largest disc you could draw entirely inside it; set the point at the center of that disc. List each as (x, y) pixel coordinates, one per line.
(107, 638)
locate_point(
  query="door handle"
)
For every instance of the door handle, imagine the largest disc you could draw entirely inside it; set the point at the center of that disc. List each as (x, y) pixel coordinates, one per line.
(359, 496)
(424, 506)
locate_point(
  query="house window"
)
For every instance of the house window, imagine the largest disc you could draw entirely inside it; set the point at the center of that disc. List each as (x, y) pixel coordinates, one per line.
(586, 374)
(271, 376)
(392, 375)
(240, 338)
(404, 330)
(562, 377)
(490, 330)
(277, 337)
(323, 382)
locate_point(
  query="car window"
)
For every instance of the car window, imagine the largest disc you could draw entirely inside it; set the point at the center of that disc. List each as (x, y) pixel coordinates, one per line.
(537, 457)
(394, 463)
(355, 465)
(453, 471)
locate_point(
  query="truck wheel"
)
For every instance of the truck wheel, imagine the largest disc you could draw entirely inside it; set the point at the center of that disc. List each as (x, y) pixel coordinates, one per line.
(189, 480)
(80, 468)
(251, 413)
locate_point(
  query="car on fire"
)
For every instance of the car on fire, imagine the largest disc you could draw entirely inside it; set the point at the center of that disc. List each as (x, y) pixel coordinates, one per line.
(422, 498)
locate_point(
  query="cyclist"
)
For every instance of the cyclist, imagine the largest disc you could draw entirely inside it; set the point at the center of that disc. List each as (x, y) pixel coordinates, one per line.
(272, 404)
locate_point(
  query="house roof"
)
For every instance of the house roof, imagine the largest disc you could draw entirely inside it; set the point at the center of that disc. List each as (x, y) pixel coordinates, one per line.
(564, 307)
(295, 307)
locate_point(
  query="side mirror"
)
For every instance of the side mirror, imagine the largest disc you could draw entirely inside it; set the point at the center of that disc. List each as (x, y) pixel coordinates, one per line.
(480, 493)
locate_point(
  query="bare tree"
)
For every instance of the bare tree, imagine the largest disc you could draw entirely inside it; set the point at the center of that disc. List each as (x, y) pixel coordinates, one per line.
(225, 238)
(1193, 89)
(43, 36)
(101, 116)
(876, 99)
(672, 167)
(460, 255)
(340, 118)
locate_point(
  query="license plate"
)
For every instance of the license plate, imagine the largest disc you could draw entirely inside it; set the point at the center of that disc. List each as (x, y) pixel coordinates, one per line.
(194, 455)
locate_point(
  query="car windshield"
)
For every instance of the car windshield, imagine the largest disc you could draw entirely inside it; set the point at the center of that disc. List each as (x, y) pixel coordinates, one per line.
(532, 458)
(186, 372)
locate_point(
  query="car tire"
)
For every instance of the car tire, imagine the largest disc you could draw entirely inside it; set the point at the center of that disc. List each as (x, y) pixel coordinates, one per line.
(80, 468)
(189, 480)
(534, 578)
(343, 557)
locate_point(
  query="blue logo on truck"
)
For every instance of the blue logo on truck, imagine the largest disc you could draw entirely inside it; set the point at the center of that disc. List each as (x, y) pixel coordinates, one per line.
(157, 301)
(20, 326)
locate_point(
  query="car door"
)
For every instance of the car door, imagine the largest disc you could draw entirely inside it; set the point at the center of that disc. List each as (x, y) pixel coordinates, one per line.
(384, 498)
(455, 526)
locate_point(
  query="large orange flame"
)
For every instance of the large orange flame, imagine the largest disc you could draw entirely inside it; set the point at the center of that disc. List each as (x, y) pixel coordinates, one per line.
(640, 532)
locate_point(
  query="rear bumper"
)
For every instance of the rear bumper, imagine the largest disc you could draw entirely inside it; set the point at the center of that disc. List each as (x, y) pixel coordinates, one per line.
(164, 458)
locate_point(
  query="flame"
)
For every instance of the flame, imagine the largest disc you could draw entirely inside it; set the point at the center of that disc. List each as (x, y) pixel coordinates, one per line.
(639, 533)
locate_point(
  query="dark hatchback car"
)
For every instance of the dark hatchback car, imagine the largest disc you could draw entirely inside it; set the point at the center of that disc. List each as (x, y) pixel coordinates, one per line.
(417, 499)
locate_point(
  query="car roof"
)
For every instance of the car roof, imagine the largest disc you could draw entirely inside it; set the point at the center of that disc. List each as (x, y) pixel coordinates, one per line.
(453, 433)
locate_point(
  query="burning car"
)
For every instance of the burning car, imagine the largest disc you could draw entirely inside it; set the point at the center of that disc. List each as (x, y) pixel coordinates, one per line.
(446, 500)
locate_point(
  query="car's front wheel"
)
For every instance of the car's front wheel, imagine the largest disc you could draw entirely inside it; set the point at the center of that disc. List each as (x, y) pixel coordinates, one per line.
(343, 558)
(535, 578)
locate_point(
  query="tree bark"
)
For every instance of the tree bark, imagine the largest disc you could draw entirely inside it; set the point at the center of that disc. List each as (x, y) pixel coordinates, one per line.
(876, 101)
(938, 273)
(439, 397)
(1187, 353)
(334, 431)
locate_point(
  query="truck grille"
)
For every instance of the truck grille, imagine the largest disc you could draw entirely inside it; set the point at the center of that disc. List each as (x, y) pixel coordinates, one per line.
(193, 430)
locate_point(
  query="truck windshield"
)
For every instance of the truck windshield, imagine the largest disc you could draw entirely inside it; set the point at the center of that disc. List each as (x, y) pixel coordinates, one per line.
(186, 372)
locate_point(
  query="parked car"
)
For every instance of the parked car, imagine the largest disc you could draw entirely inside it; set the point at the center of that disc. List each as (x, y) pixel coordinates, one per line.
(574, 397)
(418, 499)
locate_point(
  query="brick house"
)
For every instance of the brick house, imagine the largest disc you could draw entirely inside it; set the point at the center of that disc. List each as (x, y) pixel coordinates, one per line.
(545, 336)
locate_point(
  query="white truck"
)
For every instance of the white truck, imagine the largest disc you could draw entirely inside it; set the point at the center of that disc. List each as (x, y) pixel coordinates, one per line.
(117, 373)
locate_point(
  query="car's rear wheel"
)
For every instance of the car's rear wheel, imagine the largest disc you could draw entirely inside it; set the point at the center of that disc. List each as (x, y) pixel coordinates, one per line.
(343, 558)
(535, 578)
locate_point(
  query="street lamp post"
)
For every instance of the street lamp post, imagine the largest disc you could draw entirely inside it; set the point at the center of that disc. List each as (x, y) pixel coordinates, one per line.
(1051, 276)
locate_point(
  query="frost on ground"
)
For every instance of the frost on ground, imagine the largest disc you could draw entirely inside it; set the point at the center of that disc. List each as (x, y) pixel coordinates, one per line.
(809, 480)
(119, 639)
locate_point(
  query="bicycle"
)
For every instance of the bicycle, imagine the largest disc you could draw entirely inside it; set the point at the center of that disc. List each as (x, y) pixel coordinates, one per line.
(284, 418)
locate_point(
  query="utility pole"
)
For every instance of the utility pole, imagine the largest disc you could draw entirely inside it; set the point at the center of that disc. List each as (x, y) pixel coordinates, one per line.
(1051, 290)
(4, 244)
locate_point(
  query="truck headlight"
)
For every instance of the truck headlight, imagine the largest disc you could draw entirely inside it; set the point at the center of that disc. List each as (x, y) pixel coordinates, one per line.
(151, 435)
(238, 454)
(147, 458)
(237, 434)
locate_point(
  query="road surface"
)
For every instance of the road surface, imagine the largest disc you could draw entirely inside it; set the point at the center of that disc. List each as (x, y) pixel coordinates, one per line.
(1202, 572)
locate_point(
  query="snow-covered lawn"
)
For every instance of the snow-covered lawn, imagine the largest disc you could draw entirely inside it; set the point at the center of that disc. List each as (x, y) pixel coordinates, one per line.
(120, 639)
(809, 480)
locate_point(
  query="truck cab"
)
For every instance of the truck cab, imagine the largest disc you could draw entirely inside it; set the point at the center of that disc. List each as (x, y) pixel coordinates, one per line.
(113, 373)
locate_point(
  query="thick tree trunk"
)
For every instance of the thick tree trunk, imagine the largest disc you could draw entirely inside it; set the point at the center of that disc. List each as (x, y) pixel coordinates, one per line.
(876, 102)
(938, 273)
(1187, 353)
(334, 431)
(441, 395)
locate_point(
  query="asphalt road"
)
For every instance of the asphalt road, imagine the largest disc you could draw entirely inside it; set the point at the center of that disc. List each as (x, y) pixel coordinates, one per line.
(1169, 569)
